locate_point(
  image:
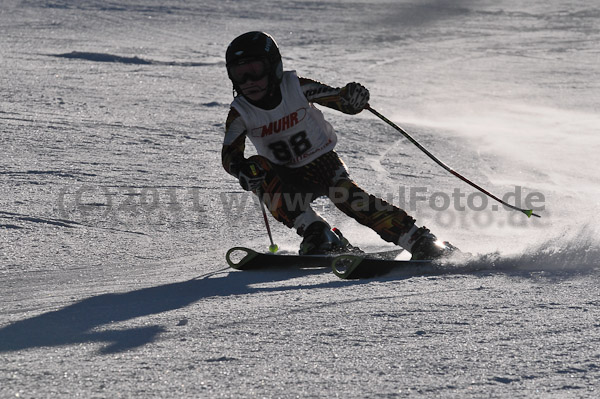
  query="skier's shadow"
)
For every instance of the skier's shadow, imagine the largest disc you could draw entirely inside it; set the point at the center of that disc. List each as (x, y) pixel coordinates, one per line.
(76, 323)
(89, 320)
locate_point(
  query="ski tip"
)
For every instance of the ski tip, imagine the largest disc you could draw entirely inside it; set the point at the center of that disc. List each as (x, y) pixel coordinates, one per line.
(237, 257)
(344, 265)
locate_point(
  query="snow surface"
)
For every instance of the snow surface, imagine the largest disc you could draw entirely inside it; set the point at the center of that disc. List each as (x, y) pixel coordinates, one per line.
(115, 213)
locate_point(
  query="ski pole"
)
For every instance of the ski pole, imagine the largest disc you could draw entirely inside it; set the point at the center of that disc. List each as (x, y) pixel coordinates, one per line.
(527, 212)
(273, 247)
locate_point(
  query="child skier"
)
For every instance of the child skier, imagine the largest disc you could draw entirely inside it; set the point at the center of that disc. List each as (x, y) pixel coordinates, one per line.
(296, 161)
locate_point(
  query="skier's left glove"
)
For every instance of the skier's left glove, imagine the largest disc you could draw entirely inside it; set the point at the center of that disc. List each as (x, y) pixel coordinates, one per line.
(354, 97)
(251, 176)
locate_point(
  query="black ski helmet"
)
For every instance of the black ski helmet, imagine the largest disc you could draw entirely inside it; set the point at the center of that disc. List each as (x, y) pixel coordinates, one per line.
(255, 46)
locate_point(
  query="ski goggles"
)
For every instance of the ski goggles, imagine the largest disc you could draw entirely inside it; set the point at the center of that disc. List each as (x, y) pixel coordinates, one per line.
(250, 70)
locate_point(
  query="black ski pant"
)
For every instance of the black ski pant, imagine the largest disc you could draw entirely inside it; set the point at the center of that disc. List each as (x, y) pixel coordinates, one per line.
(287, 192)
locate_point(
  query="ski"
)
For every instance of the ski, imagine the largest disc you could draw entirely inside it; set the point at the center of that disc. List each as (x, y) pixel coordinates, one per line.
(351, 266)
(242, 258)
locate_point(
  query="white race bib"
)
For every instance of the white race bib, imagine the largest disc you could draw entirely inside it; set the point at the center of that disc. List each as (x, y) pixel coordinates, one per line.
(292, 134)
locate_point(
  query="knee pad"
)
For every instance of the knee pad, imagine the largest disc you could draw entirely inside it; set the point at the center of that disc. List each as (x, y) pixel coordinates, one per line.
(305, 219)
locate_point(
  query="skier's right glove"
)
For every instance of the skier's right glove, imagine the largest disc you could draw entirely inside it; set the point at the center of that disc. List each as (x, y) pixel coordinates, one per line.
(354, 98)
(251, 176)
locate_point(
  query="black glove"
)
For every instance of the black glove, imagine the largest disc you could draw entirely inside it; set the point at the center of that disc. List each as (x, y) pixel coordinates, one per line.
(354, 97)
(251, 176)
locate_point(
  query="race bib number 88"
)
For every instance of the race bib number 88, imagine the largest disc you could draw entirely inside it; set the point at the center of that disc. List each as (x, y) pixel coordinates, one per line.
(285, 151)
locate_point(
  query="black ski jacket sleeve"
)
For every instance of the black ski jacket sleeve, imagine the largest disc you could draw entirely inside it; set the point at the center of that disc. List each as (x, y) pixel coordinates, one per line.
(322, 94)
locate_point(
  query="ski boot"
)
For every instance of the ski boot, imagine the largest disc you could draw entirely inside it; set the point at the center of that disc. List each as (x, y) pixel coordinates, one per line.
(427, 247)
(320, 239)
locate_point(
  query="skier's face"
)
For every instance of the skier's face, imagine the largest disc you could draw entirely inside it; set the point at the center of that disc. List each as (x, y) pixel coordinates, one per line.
(255, 90)
(252, 78)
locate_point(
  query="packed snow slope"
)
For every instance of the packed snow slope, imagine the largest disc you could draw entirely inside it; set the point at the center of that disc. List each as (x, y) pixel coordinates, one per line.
(115, 212)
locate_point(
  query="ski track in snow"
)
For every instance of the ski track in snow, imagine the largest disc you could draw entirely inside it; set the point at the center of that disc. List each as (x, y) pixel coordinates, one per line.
(116, 214)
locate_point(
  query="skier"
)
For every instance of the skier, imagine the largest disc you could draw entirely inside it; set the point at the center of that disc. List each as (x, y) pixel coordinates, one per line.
(296, 161)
